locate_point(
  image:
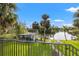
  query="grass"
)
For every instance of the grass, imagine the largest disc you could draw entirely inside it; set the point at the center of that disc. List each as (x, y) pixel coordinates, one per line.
(8, 36)
(25, 49)
(65, 49)
(47, 40)
(74, 43)
(53, 41)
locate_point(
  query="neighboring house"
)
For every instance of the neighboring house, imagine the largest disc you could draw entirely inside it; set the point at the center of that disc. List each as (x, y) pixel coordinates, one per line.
(27, 37)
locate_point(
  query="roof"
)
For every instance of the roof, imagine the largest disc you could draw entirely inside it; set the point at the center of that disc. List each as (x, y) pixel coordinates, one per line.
(28, 34)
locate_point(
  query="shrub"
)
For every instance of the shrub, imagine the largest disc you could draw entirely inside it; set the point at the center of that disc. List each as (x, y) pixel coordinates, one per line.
(8, 36)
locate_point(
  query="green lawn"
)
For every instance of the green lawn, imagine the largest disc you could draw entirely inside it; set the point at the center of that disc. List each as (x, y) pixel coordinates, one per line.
(47, 40)
(74, 43)
(8, 36)
(65, 49)
(25, 49)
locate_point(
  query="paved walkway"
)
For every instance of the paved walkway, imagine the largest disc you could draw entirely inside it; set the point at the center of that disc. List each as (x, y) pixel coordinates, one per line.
(56, 52)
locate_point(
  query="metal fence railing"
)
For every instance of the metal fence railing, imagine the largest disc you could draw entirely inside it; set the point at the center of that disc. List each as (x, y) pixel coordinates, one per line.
(20, 48)
(66, 50)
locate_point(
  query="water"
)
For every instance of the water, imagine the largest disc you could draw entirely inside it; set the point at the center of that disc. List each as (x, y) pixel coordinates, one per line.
(60, 36)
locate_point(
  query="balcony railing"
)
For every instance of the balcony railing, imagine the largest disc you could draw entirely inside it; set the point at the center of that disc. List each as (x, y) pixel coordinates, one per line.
(24, 48)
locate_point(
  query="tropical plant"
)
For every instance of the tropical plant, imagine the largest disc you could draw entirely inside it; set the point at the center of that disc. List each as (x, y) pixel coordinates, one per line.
(65, 29)
(7, 16)
(76, 20)
(21, 29)
(35, 26)
(45, 28)
(54, 30)
(76, 23)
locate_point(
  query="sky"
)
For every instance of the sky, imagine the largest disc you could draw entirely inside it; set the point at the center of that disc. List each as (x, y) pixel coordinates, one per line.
(60, 13)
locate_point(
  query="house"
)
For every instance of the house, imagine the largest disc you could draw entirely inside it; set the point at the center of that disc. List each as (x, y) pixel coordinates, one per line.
(27, 37)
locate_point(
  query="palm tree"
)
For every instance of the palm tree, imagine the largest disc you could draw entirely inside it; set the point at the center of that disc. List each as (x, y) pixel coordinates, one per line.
(74, 31)
(76, 20)
(54, 30)
(35, 26)
(7, 16)
(20, 29)
(65, 29)
(45, 25)
(76, 23)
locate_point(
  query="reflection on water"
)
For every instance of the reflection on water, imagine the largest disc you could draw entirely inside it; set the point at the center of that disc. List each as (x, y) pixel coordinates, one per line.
(60, 36)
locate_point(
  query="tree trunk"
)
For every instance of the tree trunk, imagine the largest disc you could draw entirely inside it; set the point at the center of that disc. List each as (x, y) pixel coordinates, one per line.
(65, 36)
(41, 38)
(44, 37)
(44, 34)
(53, 37)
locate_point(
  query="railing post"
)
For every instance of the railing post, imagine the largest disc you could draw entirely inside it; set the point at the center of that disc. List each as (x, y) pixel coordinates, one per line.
(72, 51)
(69, 50)
(51, 49)
(14, 48)
(62, 49)
(28, 49)
(58, 48)
(65, 50)
(1, 47)
(77, 52)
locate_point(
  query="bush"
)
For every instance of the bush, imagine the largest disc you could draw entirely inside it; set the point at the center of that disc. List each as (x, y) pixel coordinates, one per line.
(8, 36)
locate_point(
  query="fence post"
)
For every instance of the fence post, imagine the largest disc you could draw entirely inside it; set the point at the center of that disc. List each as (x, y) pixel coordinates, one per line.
(58, 49)
(72, 51)
(1, 46)
(62, 47)
(76, 52)
(65, 50)
(69, 50)
(51, 49)
(28, 49)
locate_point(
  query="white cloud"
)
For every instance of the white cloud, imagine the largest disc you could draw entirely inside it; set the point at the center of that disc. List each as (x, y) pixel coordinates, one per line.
(69, 25)
(59, 20)
(72, 9)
